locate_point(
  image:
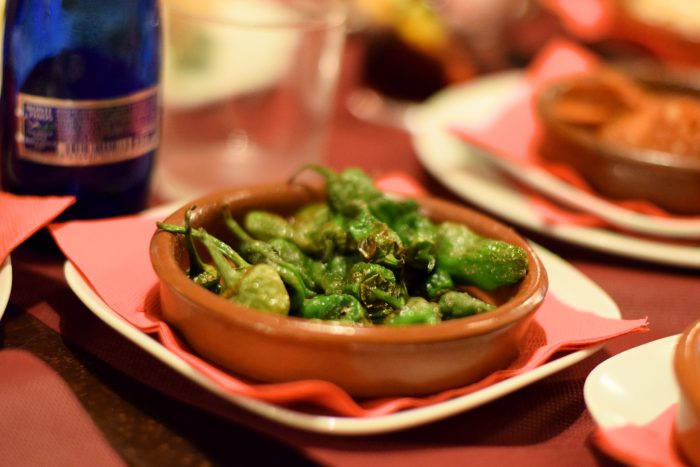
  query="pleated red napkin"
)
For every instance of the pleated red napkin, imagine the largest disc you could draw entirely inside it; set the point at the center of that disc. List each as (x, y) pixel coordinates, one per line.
(113, 257)
(24, 215)
(41, 421)
(648, 444)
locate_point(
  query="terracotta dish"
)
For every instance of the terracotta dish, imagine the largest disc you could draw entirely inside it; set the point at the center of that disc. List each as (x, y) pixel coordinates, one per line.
(687, 367)
(364, 360)
(629, 138)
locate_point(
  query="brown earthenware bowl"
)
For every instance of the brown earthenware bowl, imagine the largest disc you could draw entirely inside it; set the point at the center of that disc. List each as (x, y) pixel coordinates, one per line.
(670, 181)
(364, 360)
(686, 362)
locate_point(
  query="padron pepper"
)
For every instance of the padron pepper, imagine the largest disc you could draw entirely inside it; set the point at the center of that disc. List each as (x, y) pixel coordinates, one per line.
(255, 286)
(298, 290)
(258, 251)
(417, 310)
(335, 307)
(472, 259)
(417, 232)
(374, 239)
(455, 304)
(345, 189)
(376, 288)
(200, 272)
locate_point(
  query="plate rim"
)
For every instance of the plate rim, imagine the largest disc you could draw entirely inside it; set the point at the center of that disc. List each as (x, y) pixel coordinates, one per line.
(600, 416)
(5, 284)
(602, 240)
(339, 425)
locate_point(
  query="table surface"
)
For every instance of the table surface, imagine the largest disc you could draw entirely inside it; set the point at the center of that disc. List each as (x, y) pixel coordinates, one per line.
(121, 387)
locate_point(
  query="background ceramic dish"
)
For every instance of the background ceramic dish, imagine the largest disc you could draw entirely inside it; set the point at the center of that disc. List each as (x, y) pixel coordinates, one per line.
(686, 364)
(566, 282)
(463, 169)
(367, 361)
(671, 181)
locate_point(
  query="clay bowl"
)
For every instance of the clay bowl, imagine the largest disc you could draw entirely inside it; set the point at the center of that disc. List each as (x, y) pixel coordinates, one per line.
(686, 362)
(366, 361)
(619, 171)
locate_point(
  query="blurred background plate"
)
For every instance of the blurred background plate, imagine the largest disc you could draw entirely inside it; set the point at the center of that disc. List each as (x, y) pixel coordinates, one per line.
(5, 284)
(462, 169)
(633, 387)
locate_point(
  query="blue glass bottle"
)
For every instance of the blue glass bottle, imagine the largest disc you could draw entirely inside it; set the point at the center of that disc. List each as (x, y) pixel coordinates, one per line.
(80, 113)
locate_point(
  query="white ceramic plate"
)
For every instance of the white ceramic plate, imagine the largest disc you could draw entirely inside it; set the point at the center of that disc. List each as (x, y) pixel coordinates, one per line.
(5, 284)
(465, 171)
(569, 285)
(634, 387)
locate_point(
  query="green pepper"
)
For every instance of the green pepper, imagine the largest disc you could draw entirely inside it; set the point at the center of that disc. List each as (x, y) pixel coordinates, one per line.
(375, 240)
(292, 254)
(290, 276)
(417, 310)
(200, 272)
(472, 259)
(335, 307)
(345, 189)
(264, 225)
(433, 284)
(256, 286)
(417, 232)
(262, 288)
(455, 304)
(331, 275)
(307, 222)
(419, 236)
(376, 288)
(258, 251)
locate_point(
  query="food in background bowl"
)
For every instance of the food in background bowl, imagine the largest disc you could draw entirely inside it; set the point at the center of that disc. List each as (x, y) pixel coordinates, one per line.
(381, 359)
(629, 139)
(687, 370)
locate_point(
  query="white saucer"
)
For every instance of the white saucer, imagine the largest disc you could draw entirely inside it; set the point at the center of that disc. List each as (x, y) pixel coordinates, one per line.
(634, 387)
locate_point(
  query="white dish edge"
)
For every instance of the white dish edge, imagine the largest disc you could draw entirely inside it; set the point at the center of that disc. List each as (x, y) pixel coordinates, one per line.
(5, 284)
(633, 387)
(573, 288)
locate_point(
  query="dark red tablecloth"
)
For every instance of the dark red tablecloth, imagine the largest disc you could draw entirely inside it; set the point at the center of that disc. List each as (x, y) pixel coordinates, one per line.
(543, 424)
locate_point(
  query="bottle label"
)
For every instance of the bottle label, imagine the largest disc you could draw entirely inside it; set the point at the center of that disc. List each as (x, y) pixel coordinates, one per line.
(87, 132)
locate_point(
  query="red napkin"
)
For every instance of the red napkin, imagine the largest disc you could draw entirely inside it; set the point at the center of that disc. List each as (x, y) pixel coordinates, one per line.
(650, 444)
(513, 132)
(24, 215)
(113, 256)
(41, 421)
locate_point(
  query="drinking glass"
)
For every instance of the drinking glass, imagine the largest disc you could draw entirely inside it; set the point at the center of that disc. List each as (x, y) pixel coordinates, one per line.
(248, 89)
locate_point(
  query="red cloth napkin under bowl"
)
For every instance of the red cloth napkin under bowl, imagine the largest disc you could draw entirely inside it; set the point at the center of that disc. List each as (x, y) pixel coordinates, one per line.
(41, 421)
(24, 215)
(113, 257)
(649, 444)
(513, 131)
